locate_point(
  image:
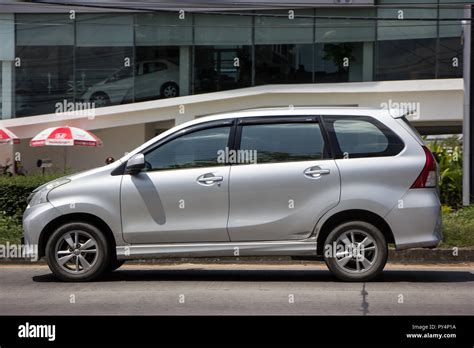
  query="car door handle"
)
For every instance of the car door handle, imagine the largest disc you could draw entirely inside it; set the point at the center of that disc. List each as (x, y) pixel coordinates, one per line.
(316, 172)
(209, 179)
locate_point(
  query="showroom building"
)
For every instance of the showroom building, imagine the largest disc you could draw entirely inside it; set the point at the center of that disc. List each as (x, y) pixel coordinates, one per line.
(128, 71)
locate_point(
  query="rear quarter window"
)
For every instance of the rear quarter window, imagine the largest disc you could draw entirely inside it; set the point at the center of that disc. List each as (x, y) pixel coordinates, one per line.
(361, 136)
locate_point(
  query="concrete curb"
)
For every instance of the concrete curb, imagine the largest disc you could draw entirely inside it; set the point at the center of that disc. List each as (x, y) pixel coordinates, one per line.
(411, 256)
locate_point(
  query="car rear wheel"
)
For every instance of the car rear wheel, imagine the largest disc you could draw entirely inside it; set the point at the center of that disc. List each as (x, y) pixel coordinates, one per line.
(77, 252)
(169, 90)
(355, 251)
(100, 99)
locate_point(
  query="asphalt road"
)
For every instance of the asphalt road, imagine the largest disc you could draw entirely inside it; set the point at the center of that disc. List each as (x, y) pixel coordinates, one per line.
(203, 289)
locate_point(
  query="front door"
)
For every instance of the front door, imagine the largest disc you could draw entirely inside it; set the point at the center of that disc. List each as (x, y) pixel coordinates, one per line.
(183, 195)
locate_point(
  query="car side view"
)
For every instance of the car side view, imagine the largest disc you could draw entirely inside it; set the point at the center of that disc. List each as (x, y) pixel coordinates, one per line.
(332, 183)
(151, 79)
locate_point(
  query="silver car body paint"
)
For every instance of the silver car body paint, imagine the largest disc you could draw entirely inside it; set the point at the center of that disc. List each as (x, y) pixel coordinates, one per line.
(243, 214)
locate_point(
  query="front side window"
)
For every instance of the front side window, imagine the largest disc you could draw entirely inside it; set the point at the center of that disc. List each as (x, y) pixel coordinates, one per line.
(192, 150)
(361, 136)
(283, 142)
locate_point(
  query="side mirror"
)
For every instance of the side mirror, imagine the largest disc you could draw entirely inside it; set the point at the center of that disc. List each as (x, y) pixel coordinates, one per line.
(135, 164)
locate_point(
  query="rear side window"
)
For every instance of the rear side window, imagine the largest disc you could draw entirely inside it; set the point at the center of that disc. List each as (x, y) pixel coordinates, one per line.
(283, 142)
(362, 136)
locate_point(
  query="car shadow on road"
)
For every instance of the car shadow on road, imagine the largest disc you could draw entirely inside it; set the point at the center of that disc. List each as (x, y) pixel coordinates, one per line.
(199, 274)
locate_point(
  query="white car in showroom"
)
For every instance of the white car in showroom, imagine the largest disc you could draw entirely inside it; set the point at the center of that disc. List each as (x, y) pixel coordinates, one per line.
(156, 78)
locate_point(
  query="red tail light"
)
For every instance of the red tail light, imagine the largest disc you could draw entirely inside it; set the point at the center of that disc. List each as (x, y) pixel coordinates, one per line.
(429, 175)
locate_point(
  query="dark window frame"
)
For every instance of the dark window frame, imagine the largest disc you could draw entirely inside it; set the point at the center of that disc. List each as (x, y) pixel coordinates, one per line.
(392, 138)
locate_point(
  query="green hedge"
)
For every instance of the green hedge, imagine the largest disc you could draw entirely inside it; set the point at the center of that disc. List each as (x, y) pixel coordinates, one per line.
(449, 156)
(15, 190)
(10, 230)
(458, 227)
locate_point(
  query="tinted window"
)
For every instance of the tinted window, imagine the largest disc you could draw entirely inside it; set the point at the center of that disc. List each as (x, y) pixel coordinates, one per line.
(152, 67)
(363, 137)
(283, 142)
(197, 149)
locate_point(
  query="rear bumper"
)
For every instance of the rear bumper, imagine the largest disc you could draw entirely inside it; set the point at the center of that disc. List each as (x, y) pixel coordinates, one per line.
(416, 220)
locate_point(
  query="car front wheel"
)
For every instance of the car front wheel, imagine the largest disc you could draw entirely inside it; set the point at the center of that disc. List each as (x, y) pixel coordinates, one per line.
(78, 252)
(355, 251)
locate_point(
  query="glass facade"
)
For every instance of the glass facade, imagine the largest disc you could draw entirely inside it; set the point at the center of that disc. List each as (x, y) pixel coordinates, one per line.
(112, 59)
(45, 75)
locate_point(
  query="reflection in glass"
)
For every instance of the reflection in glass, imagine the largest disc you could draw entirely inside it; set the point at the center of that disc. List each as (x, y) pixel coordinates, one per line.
(283, 64)
(275, 27)
(157, 72)
(338, 62)
(162, 55)
(104, 59)
(406, 59)
(102, 77)
(218, 68)
(157, 78)
(44, 43)
(450, 48)
(406, 50)
(222, 55)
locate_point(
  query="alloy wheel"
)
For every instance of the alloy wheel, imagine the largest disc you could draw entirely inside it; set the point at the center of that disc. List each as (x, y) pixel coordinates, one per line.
(356, 251)
(76, 252)
(170, 91)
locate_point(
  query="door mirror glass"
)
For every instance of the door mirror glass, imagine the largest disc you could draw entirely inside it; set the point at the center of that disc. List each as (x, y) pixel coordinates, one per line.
(135, 164)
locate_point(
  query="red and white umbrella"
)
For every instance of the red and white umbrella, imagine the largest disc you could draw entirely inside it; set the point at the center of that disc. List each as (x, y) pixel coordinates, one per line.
(7, 137)
(65, 136)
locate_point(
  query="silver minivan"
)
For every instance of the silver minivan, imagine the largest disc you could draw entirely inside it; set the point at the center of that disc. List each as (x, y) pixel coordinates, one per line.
(338, 184)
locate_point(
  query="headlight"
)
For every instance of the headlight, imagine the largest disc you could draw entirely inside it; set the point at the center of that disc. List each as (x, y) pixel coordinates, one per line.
(40, 195)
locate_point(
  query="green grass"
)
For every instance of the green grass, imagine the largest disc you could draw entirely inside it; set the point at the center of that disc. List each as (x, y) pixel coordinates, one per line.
(458, 227)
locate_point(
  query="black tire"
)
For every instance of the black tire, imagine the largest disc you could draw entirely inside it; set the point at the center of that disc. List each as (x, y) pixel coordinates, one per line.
(101, 258)
(169, 90)
(350, 271)
(114, 265)
(100, 99)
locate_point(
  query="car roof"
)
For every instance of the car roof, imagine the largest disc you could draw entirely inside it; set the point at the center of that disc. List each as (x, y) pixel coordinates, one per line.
(293, 111)
(269, 112)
